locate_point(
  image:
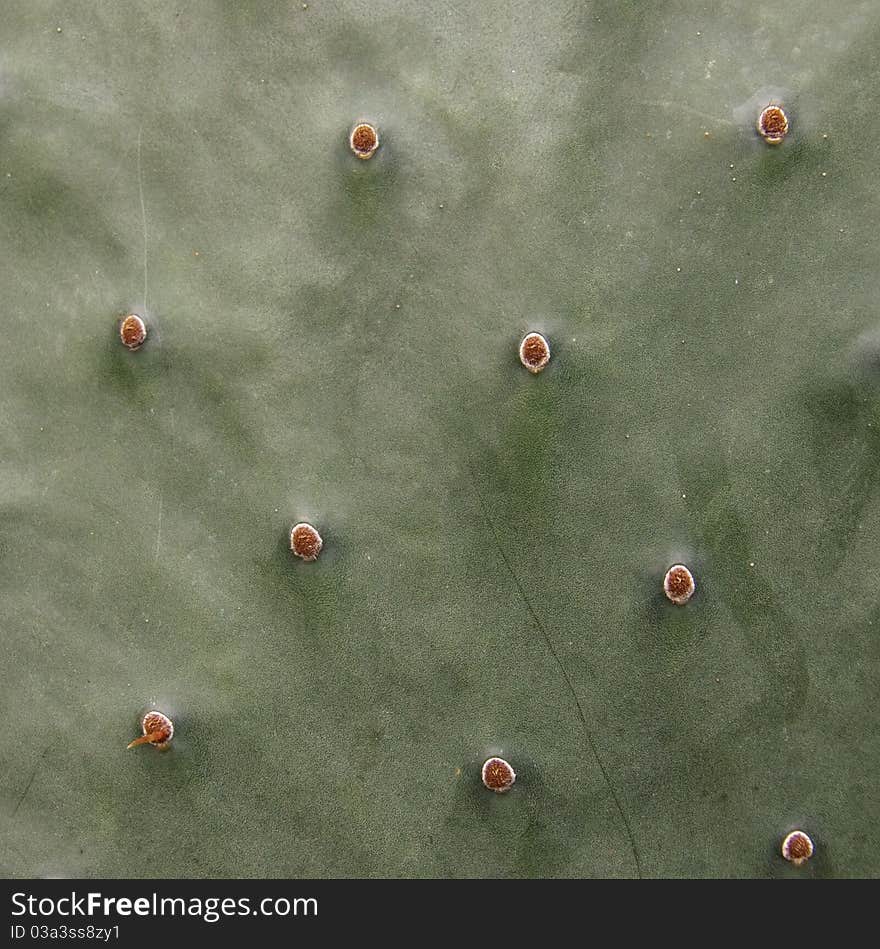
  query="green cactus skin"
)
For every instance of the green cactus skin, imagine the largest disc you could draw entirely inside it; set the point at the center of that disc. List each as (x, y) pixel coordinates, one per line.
(335, 341)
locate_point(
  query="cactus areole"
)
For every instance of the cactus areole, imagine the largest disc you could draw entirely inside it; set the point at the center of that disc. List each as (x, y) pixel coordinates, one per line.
(364, 140)
(132, 331)
(534, 352)
(773, 124)
(498, 775)
(157, 729)
(678, 584)
(305, 542)
(797, 847)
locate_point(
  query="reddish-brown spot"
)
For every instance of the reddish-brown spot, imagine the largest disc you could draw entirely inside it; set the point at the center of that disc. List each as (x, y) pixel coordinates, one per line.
(157, 731)
(797, 847)
(305, 542)
(678, 584)
(773, 124)
(498, 775)
(534, 352)
(132, 331)
(364, 140)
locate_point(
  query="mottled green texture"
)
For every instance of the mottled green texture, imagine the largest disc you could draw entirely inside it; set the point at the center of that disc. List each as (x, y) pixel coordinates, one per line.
(335, 340)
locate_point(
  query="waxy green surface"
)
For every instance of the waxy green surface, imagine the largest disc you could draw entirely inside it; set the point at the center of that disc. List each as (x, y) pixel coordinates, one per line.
(335, 340)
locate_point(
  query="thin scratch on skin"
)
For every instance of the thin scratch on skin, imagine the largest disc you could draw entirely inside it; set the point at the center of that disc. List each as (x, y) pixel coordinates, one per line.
(681, 107)
(158, 531)
(565, 676)
(143, 210)
(24, 793)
